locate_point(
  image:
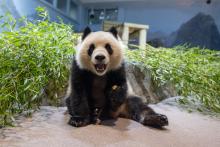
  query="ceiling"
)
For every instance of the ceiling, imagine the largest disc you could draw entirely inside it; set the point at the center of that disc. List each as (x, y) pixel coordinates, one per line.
(157, 2)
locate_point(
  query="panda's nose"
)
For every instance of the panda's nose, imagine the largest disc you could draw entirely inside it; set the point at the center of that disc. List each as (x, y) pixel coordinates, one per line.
(100, 57)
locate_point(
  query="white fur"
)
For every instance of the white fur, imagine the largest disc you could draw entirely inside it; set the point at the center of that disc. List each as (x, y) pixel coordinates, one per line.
(100, 39)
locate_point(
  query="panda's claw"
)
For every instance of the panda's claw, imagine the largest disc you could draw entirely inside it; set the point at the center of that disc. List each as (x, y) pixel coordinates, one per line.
(78, 121)
(156, 120)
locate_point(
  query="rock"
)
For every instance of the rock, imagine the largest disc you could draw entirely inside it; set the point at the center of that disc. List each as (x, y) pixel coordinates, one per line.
(144, 85)
(156, 42)
(53, 95)
(191, 104)
(157, 39)
(170, 39)
(201, 30)
(48, 127)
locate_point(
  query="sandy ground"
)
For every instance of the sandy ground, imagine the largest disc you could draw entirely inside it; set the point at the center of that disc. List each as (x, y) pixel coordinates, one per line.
(48, 128)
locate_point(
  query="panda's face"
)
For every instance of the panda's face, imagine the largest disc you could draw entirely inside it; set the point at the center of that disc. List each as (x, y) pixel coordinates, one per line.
(100, 52)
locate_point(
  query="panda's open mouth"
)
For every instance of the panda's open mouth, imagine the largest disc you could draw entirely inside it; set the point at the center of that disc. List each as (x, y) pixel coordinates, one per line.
(100, 67)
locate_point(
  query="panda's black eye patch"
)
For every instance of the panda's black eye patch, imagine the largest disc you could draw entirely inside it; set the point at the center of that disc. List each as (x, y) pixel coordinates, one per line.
(109, 48)
(91, 49)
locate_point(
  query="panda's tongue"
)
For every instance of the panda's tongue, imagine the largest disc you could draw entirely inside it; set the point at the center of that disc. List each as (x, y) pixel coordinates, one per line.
(100, 67)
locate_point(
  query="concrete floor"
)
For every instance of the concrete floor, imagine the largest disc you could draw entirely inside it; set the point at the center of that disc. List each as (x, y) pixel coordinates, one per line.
(48, 127)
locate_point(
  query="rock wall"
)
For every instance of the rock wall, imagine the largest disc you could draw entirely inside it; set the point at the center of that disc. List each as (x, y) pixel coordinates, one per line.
(200, 31)
(143, 84)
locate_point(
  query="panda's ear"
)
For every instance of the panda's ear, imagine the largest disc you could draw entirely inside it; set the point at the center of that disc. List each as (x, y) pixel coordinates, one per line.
(114, 32)
(86, 32)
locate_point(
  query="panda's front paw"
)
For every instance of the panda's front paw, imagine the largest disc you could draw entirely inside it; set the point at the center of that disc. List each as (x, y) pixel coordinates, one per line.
(95, 117)
(117, 94)
(156, 120)
(78, 121)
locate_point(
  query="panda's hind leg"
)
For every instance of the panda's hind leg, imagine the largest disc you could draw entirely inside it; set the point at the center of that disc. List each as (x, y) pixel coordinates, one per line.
(139, 111)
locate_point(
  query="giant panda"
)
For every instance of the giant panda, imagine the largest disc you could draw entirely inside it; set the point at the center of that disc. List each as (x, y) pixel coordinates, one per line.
(98, 88)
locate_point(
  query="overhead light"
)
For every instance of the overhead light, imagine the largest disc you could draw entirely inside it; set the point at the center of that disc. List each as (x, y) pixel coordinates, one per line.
(92, 14)
(208, 1)
(102, 15)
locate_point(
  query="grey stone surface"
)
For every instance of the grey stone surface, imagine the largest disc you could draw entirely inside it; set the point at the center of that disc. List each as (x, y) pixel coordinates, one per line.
(144, 85)
(48, 127)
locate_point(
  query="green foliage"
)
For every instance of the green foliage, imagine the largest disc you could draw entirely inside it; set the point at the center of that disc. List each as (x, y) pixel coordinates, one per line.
(195, 72)
(31, 57)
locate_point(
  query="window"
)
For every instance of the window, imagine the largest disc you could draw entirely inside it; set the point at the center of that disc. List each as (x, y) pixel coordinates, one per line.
(96, 16)
(73, 10)
(111, 14)
(68, 7)
(62, 5)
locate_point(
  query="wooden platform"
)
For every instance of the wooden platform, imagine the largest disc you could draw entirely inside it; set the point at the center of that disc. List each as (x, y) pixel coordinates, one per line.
(128, 31)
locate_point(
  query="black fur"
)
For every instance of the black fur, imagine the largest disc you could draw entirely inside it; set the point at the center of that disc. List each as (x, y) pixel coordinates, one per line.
(109, 49)
(91, 49)
(87, 106)
(136, 108)
(86, 32)
(114, 32)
